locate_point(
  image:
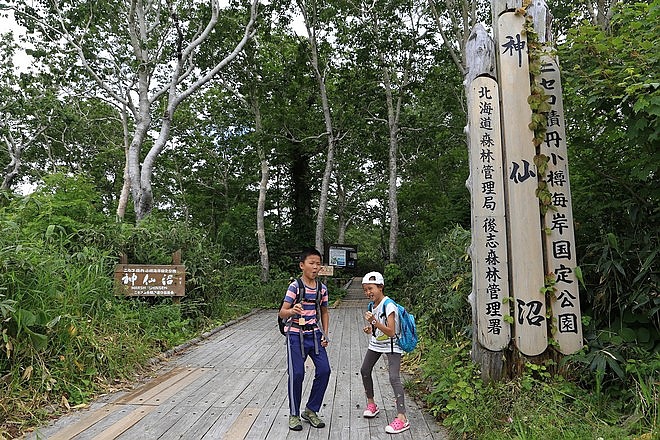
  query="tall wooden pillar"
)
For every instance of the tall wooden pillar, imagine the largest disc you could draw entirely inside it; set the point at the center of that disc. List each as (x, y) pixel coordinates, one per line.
(526, 272)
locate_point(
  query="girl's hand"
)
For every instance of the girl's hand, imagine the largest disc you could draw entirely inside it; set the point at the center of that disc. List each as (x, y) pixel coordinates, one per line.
(367, 329)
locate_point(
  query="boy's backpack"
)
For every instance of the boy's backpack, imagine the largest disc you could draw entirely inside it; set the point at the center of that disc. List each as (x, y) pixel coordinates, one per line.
(407, 336)
(282, 323)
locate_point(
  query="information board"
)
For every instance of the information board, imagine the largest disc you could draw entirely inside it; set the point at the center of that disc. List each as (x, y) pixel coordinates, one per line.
(342, 255)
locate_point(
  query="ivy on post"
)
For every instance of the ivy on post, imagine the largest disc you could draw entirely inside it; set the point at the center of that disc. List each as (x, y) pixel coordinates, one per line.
(542, 271)
(524, 272)
(555, 194)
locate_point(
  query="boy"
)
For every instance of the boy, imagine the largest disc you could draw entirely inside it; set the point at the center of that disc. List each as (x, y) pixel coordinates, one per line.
(306, 336)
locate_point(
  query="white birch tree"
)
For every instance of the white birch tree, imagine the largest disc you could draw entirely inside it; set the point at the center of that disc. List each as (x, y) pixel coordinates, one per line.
(398, 37)
(310, 15)
(22, 120)
(143, 57)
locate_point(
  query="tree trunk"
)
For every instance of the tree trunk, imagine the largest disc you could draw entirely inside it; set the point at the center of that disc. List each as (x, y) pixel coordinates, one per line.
(12, 169)
(327, 118)
(601, 12)
(393, 113)
(254, 107)
(460, 20)
(342, 221)
(15, 151)
(125, 192)
(263, 188)
(139, 134)
(302, 223)
(151, 77)
(126, 186)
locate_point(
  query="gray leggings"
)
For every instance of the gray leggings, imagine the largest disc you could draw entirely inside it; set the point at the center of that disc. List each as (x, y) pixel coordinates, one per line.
(394, 368)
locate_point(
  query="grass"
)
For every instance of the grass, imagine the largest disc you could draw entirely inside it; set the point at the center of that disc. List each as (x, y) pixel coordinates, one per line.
(535, 406)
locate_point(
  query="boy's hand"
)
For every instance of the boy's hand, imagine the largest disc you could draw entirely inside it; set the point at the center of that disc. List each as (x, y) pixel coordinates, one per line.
(297, 309)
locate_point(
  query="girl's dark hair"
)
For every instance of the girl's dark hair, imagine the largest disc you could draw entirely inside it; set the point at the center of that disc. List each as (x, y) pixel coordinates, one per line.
(307, 252)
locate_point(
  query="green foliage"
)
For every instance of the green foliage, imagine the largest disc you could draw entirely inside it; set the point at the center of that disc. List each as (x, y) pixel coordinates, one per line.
(536, 405)
(608, 390)
(628, 282)
(241, 286)
(392, 274)
(61, 344)
(619, 68)
(612, 99)
(438, 282)
(60, 206)
(454, 380)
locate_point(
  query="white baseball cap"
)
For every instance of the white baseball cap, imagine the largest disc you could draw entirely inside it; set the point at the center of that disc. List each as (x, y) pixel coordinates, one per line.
(373, 278)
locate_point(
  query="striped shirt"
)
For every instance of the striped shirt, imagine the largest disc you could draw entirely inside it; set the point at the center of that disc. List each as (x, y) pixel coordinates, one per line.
(308, 303)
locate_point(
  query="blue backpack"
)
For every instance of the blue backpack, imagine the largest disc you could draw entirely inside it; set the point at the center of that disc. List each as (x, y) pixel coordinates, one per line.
(407, 336)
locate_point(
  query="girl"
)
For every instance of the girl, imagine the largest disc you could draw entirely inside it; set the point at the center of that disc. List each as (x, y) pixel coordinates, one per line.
(382, 325)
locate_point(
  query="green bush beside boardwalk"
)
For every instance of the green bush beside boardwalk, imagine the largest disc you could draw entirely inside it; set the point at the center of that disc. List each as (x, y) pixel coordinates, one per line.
(67, 337)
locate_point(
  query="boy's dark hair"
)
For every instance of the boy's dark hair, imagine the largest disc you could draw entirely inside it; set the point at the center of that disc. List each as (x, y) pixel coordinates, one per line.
(307, 252)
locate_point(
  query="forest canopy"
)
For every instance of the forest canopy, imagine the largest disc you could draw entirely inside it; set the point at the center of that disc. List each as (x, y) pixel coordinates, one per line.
(241, 132)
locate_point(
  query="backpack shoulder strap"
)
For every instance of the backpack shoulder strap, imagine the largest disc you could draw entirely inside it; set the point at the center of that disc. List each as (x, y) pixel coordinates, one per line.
(319, 298)
(385, 303)
(319, 293)
(395, 319)
(301, 290)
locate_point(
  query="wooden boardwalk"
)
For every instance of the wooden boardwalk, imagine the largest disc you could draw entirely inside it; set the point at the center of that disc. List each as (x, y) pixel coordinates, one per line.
(233, 385)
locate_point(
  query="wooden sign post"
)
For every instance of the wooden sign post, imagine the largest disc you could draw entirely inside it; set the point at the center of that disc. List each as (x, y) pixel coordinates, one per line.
(524, 223)
(558, 220)
(539, 237)
(489, 244)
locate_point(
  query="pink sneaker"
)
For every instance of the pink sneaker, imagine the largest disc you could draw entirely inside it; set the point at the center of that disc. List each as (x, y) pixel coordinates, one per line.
(397, 426)
(371, 411)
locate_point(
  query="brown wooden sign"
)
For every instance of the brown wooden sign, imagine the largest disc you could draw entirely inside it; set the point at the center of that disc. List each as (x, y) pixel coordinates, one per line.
(326, 271)
(150, 280)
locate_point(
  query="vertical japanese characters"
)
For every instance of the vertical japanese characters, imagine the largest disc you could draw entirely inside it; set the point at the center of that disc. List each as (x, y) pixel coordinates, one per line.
(524, 230)
(558, 220)
(491, 279)
(523, 251)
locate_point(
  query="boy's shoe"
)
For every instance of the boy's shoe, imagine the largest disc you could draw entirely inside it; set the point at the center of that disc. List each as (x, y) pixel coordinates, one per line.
(371, 411)
(397, 426)
(312, 418)
(294, 423)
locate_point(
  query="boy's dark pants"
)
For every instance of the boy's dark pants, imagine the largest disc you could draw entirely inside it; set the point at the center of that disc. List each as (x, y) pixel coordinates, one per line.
(296, 370)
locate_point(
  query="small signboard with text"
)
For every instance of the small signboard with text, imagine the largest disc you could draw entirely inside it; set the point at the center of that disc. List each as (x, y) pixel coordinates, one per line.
(327, 271)
(150, 280)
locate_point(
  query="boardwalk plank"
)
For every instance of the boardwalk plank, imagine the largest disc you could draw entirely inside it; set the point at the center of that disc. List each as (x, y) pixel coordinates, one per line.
(257, 388)
(84, 424)
(233, 385)
(125, 416)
